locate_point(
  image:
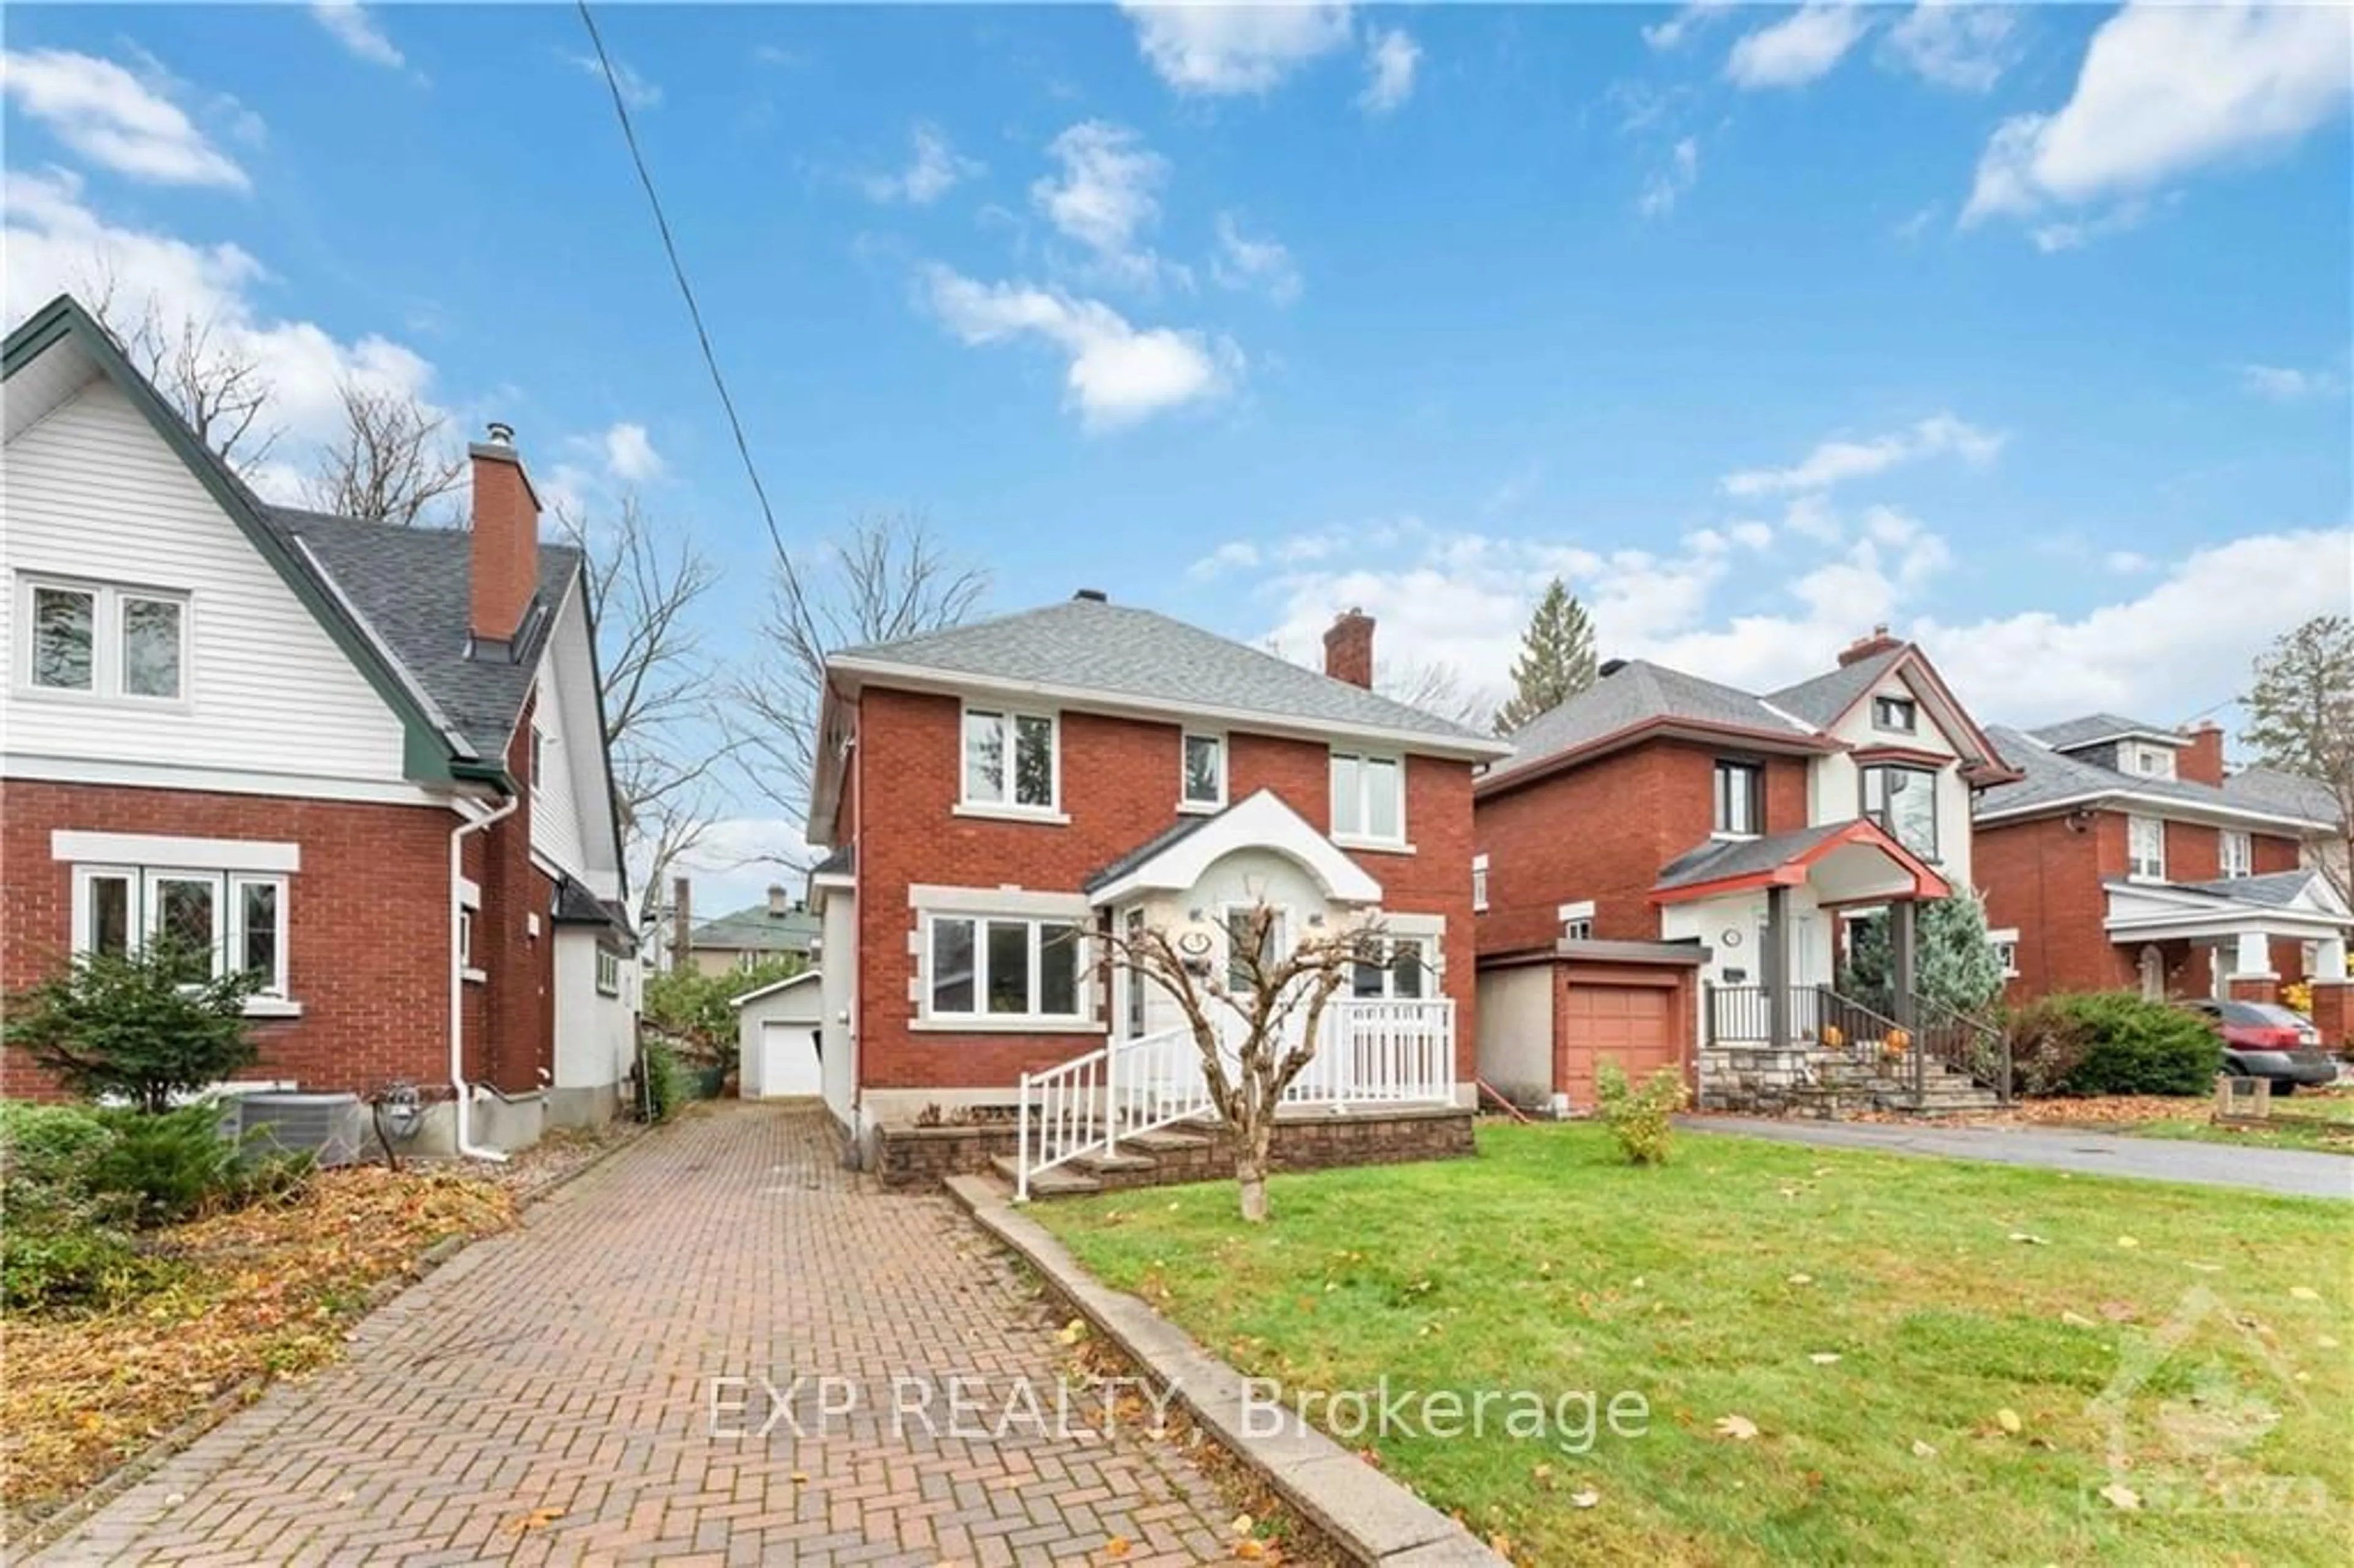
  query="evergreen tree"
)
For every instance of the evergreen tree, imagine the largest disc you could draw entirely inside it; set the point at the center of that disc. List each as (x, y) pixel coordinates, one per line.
(1954, 965)
(1556, 660)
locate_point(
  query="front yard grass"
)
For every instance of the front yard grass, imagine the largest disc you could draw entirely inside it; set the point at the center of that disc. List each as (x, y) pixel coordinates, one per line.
(1936, 1357)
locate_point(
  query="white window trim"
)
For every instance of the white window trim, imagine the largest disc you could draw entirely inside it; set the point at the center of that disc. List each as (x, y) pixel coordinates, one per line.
(2246, 841)
(606, 958)
(1434, 987)
(1757, 771)
(1569, 915)
(160, 850)
(1402, 843)
(2134, 872)
(2004, 940)
(1216, 737)
(1006, 715)
(926, 1020)
(1886, 820)
(468, 908)
(106, 663)
(274, 999)
(1479, 884)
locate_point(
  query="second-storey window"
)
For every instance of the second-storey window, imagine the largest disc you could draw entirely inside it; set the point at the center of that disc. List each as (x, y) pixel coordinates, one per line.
(1003, 969)
(1903, 801)
(1009, 760)
(1204, 780)
(2146, 848)
(2239, 854)
(1368, 798)
(1739, 797)
(1479, 883)
(105, 640)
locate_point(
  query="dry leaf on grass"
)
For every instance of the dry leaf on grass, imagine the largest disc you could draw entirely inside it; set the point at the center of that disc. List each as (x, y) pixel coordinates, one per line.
(1825, 1358)
(2304, 1292)
(2122, 1496)
(1740, 1428)
(2029, 1238)
(1588, 1498)
(1921, 1450)
(2007, 1419)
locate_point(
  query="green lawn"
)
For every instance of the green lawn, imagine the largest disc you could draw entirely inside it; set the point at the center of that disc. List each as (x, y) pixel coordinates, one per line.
(2296, 1131)
(1722, 1286)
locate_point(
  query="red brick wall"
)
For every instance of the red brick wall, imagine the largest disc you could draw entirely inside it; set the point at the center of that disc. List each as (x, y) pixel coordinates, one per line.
(2274, 854)
(1120, 787)
(2044, 877)
(1602, 831)
(518, 1036)
(367, 920)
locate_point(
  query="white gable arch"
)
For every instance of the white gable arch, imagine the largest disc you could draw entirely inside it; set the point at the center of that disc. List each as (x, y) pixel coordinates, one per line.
(1261, 822)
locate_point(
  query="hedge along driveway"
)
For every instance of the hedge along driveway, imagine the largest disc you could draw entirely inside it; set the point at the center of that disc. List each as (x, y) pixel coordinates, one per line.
(2294, 1173)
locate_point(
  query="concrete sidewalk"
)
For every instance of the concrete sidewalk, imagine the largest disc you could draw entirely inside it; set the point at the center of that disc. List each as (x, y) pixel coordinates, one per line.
(2290, 1172)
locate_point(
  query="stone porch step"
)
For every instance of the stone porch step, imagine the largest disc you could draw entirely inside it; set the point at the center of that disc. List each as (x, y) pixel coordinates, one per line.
(1164, 1140)
(1061, 1181)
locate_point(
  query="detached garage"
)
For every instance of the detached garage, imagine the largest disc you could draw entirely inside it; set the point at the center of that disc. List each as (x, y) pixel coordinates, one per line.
(777, 1038)
(1550, 1017)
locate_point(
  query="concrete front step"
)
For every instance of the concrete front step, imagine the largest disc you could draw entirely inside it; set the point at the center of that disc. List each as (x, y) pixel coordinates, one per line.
(1061, 1181)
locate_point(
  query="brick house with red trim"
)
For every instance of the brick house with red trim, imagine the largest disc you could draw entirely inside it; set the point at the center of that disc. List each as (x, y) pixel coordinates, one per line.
(2123, 858)
(1664, 864)
(363, 761)
(995, 794)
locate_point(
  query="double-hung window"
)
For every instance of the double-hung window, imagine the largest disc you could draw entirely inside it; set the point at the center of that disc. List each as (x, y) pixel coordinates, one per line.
(226, 922)
(2145, 849)
(1391, 969)
(1479, 884)
(1202, 784)
(1903, 801)
(1740, 799)
(1009, 760)
(1368, 798)
(2239, 854)
(1003, 968)
(608, 972)
(105, 640)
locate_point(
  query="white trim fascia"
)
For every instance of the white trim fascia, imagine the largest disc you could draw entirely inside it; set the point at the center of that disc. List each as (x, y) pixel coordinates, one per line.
(1581, 910)
(1408, 925)
(215, 780)
(1008, 1025)
(165, 850)
(1011, 901)
(2289, 923)
(2182, 811)
(902, 677)
(773, 987)
(834, 879)
(1792, 719)
(470, 893)
(1044, 816)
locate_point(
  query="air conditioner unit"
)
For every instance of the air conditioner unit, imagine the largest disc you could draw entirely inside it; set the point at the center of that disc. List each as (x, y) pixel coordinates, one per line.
(275, 1121)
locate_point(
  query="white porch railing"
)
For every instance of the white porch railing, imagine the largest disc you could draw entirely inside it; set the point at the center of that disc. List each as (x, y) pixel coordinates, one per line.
(1372, 1052)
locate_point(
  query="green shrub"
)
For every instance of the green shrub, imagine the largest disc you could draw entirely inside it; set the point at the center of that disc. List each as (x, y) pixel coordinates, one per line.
(136, 1025)
(169, 1167)
(668, 1084)
(1638, 1116)
(46, 1155)
(79, 1266)
(2112, 1043)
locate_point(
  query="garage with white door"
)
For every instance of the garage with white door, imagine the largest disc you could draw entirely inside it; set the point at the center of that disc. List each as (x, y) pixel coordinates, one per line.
(778, 1036)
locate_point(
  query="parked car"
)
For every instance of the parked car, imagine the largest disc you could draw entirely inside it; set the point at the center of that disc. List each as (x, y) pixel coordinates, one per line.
(2264, 1041)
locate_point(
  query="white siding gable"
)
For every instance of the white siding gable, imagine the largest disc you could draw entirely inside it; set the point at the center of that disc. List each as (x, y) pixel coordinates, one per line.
(1836, 790)
(94, 493)
(567, 826)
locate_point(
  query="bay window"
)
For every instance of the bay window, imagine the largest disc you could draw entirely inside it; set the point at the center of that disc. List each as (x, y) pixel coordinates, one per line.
(1903, 801)
(1368, 798)
(104, 641)
(1009, 760)
(1003, 969)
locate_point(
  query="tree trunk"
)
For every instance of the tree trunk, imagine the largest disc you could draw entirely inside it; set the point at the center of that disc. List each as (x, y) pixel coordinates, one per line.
(1250, 1169)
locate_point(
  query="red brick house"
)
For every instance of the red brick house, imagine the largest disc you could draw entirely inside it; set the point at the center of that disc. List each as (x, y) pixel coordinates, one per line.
(365, 762)
(997, 793)
(2123, 858)
(1664, 865)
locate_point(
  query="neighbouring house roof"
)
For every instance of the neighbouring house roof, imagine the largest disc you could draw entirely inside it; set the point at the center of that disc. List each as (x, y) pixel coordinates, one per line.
(2279, 889)
(2290, 794)
(1636, 696)
(841, 861)
(576, 906)
(1822, 700)
(2051, 778)
(756, 930)
(411, 585)
(805, 978)
(1728, 865)
(2291, 904)
(2068, 735)
(1084, 647)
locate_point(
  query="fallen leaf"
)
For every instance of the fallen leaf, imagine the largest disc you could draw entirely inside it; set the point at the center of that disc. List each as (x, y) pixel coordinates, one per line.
(2007, 1419)
(2077, 1321)
(2128, 1241)
(799, 1477)
(2206, 1267)
(2324, 1341)
(537, 1519)
(1073, 1332)
(1740, 1428)
(2304, 1292)
(1116, 1547)
(1501, 1545)
(2030, 1239)
(1243, 1524)
(1825, 1358)
(1921, 1450)
(2122, 1496)
(1250, 1551)
(1586, 1498)
(1802, 1279)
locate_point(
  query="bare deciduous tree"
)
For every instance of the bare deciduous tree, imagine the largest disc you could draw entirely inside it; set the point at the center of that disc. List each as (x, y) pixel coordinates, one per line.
(1246, 1081)
(663, 729)
(1436, 688)
(196, 364)
(392, 462)
(888, 577)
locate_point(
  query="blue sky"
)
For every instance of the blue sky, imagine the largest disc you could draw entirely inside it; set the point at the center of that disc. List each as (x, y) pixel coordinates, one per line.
(1759, 323)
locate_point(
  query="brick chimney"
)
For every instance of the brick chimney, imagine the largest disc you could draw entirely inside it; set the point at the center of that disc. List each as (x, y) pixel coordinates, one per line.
(1349, 649)
(681, 916)
(1865, 647)
(505, 566)
(778, 907)
(2201, 762)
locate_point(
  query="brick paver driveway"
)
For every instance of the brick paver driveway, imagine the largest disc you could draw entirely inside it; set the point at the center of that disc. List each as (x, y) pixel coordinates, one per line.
(547, 1396)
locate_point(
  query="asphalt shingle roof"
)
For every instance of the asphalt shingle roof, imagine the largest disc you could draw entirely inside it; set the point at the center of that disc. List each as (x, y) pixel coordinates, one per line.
(2270, 789)
(757, 931)
(412, 585)
(2274, 890)
(1637, 691)
(1821, 700)
(2092, 727)
(2053, 776)
(1120, 650)
(1714, 859)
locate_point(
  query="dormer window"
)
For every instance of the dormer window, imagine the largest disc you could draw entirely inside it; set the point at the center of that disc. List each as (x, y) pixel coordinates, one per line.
(103, 640)
(2149, 761)
(1899, 715)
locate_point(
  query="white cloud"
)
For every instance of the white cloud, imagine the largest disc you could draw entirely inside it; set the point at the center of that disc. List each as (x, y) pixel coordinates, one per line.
(1222, 50)
(57, 243)
(1801, 48)
(1233, 555)
(358, 32)
(1836, 461)
(1757, 536)
(1106, 195)
(630, 454)
(1118, 373)
(116, 119)
(1391, 57)
(2166, 89)
(1967, 48)
(934, 169)
(2284, 384)
(2127, 563)
(1264, 265)
(1670, 182)
(1671, 33)
(636, 90)
(1917, 223)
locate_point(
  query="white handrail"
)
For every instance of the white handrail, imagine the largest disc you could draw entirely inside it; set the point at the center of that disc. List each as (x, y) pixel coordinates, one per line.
(1373, 1052)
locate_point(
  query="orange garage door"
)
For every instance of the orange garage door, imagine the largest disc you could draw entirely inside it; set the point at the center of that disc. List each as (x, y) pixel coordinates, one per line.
(1634, 1025)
